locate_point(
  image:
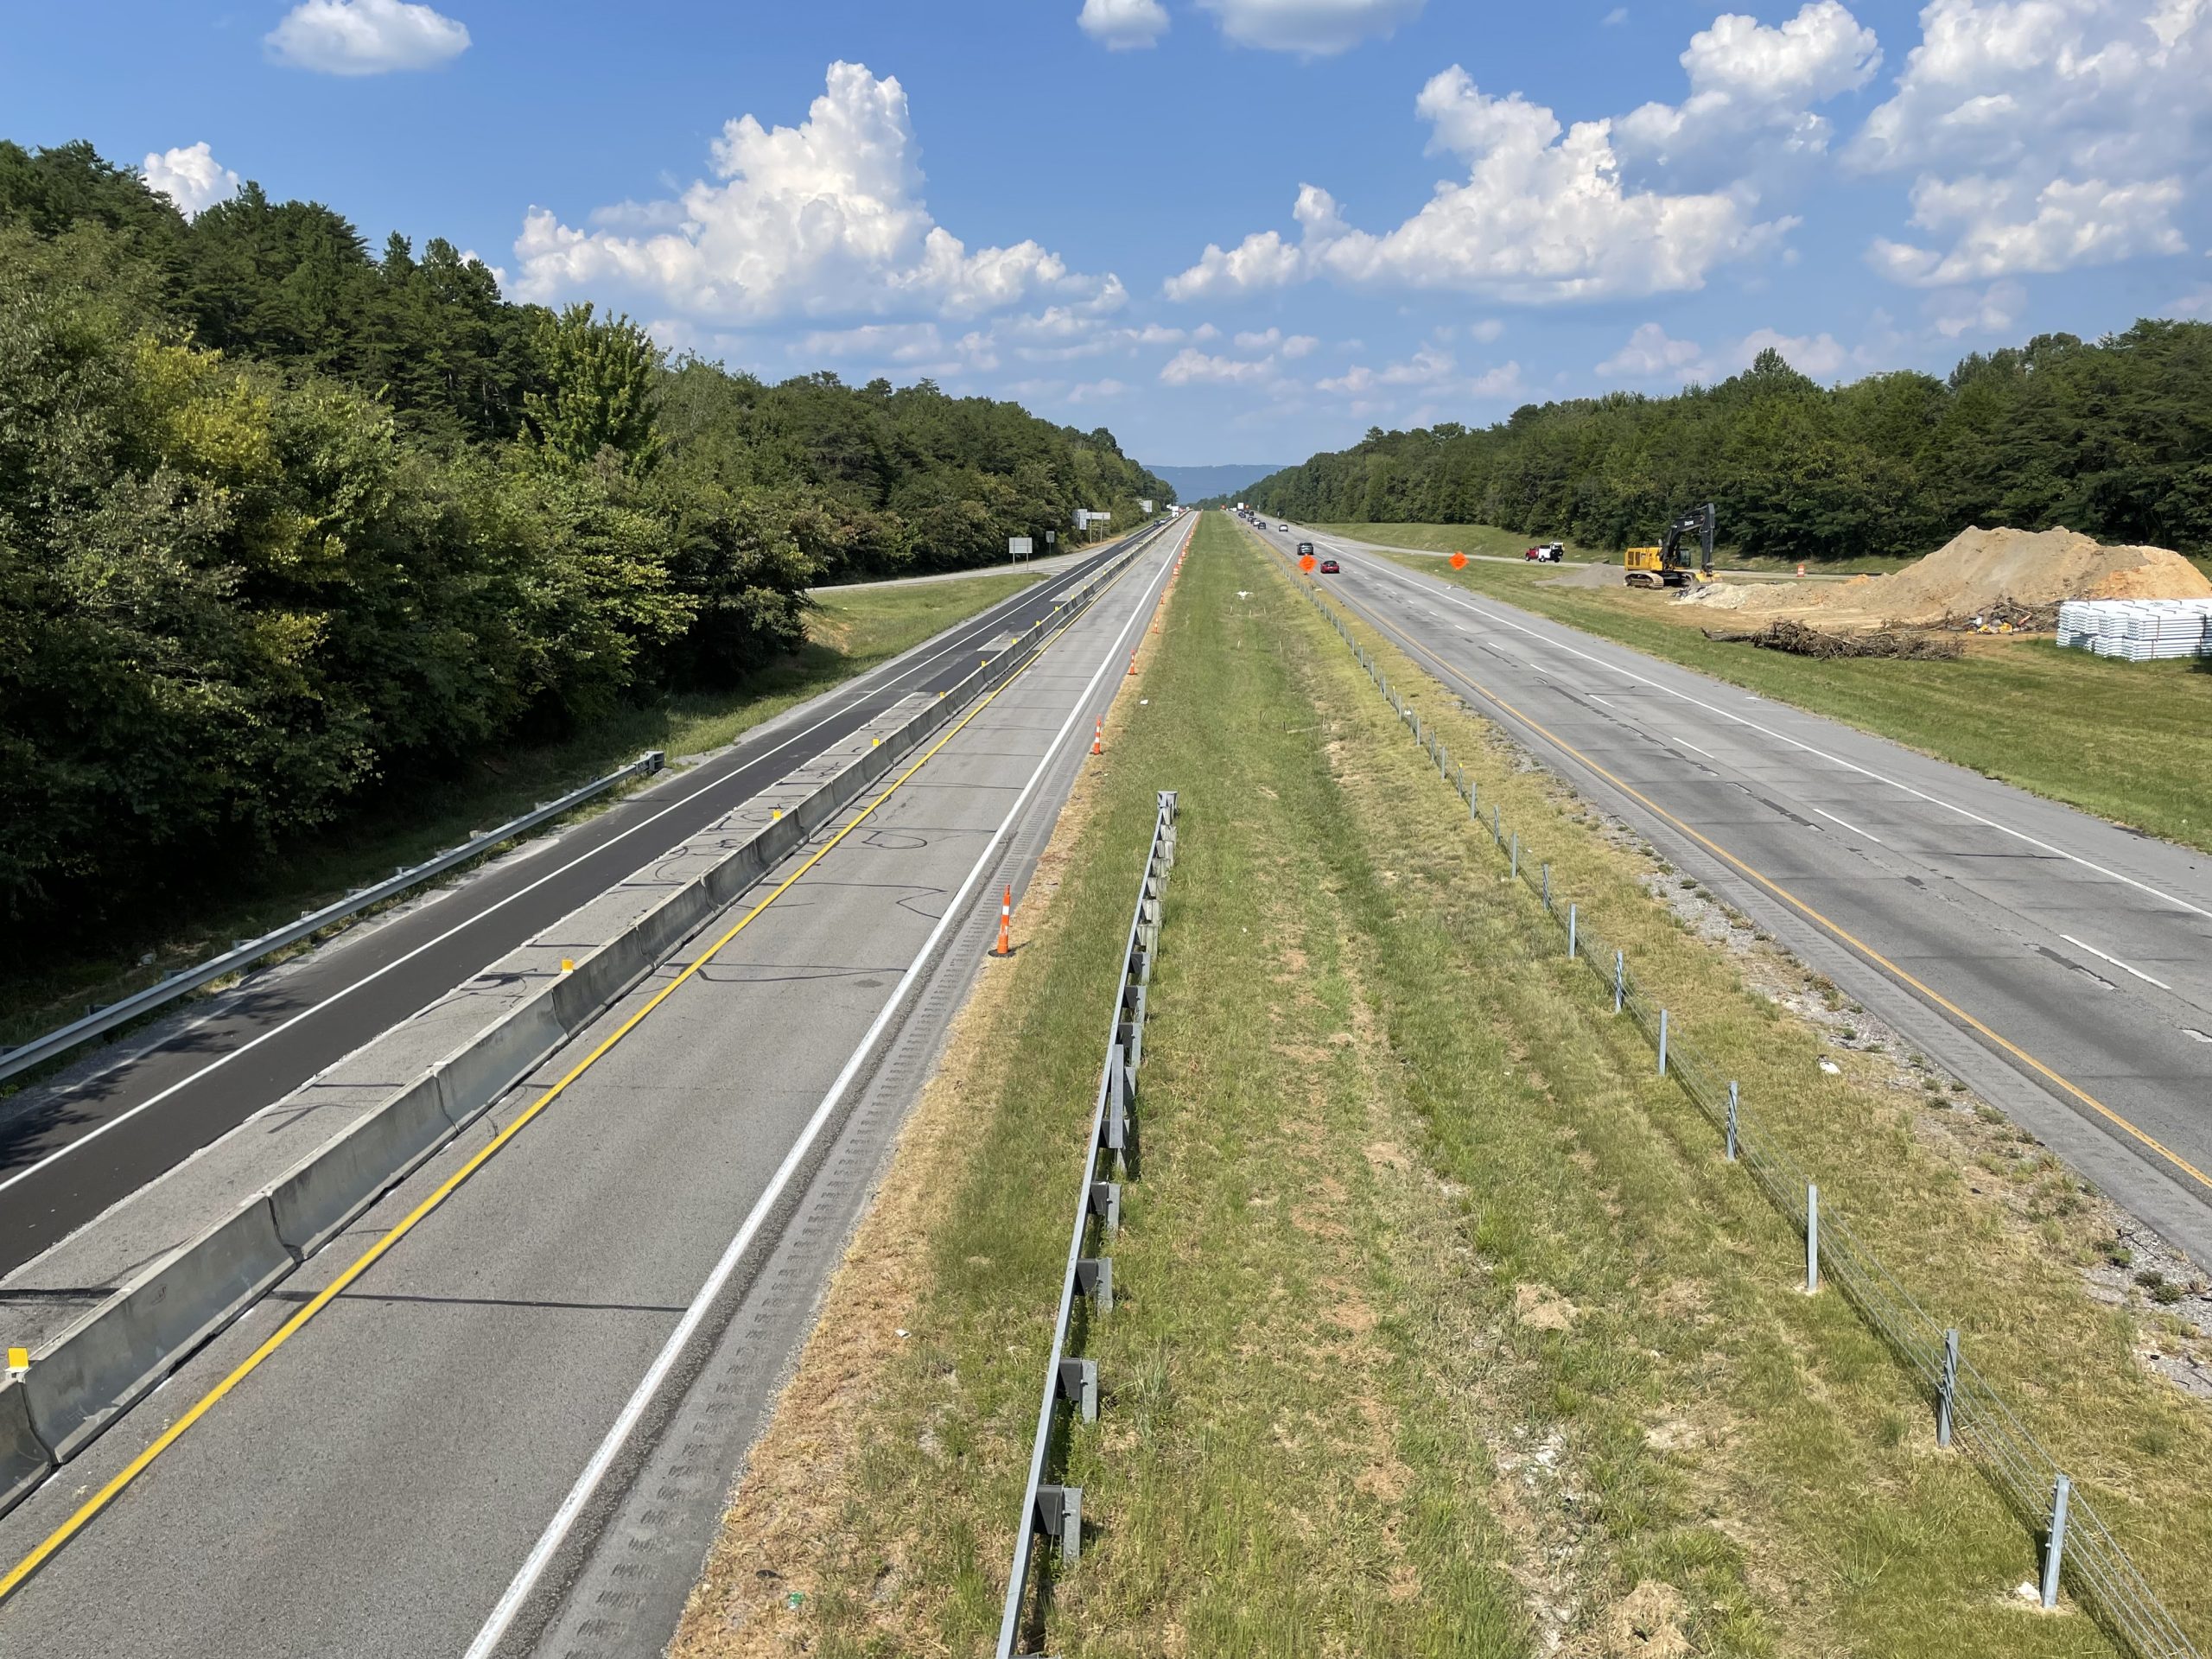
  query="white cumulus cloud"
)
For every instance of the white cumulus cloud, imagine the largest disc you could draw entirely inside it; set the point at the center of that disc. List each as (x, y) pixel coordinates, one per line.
(1121, 24)
(191, 177)
(1752, 90)
(821, 219)
(1543, 215)
(2044, 134)
(1310, 27)
(1650, 355)
(1190, 366)
(366, 37)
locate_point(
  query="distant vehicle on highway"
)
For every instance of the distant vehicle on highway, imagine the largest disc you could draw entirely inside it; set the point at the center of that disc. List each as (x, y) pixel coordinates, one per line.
(1547, 553)
(1328, 567)
(1304, 548)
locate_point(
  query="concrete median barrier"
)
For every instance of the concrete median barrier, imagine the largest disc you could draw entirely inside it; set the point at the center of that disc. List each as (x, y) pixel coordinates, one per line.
(24, 1460)
(96, 1368)
(342, 1179)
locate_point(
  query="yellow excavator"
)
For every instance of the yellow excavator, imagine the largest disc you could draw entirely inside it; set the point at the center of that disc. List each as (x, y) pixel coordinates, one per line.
(1667, 565)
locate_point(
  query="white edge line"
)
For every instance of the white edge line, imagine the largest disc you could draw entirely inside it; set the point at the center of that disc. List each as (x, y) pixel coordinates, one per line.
(344, 991)
(2115, 962)
(1409, 577)
(564, 1519)
(1847, 824)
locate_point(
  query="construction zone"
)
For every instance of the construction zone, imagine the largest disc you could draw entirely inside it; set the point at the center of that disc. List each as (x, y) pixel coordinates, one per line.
(1981, 579)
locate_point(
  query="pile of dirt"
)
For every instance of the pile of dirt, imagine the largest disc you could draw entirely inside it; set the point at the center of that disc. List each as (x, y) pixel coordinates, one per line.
(1783, 634)
(1980, 571)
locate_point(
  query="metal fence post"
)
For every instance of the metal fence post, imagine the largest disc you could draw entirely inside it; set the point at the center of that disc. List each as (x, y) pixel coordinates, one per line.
(1570, 919)
(1731, 1120)
(1662, 1042)
(1812, 1238)
(1548, 884)
(1944, 1401)
(1620, 979)
(2056, 1548)
(1496, 832)
(1514, 873)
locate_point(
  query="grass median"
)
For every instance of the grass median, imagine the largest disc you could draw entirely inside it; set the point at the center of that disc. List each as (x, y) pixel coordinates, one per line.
(1441, 1326)
(848, 634)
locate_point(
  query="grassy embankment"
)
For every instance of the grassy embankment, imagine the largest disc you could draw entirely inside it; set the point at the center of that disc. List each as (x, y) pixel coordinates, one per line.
(850, 634)
(2128, 741)
(1440, 1327)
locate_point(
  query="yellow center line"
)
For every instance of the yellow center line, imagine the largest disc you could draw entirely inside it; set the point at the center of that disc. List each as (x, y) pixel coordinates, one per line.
(1780, 891)
(93, 1505)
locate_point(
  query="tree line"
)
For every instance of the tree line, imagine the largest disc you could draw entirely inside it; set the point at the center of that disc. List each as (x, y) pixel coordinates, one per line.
(2112, 438)
(283, 523)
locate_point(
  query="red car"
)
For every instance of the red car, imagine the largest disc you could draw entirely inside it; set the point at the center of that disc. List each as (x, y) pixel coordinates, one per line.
(1328, 567)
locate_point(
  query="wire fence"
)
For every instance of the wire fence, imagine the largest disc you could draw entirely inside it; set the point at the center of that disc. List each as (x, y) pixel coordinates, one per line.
(2075, 1547)
(1051, 1510)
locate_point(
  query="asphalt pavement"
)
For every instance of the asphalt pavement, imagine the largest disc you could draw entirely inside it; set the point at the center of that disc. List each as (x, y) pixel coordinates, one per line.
(128, 1113)
(2059, 964)
(515, 1430)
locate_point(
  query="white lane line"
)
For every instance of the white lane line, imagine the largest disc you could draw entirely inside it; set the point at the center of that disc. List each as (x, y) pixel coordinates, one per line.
(564, 1519)
(1853, 828)
(1409, 579)
(2115, 962)
(345, 991)
(1709, 756)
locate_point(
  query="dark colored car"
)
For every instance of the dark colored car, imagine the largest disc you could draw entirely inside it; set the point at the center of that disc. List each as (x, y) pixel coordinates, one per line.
(1304, 548)
(1328, 567)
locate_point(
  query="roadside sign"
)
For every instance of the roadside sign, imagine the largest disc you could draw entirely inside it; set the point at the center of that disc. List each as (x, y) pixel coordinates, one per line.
(1017, 547)
(1145, 503)
(1459, 561)
(1051, 536)
(1305, 563)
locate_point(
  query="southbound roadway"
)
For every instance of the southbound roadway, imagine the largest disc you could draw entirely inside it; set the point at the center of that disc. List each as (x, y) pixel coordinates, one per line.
(71, 1148)
(2059, 964)
(513, 1430)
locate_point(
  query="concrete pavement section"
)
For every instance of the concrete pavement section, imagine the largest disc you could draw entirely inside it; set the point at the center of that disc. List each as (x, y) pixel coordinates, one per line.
(2072, 954)
(125, 1115)
(374, 1486)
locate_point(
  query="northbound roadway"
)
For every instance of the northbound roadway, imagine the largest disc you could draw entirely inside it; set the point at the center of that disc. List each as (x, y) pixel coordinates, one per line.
(2059, 964)
(71, 1148)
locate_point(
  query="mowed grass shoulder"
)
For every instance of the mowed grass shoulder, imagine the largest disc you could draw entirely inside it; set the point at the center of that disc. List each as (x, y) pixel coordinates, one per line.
(1440, 1326)
(2129, 741)
(848, 634)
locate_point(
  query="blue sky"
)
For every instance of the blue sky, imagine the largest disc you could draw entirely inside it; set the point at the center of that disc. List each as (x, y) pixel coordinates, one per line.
(1231, 230)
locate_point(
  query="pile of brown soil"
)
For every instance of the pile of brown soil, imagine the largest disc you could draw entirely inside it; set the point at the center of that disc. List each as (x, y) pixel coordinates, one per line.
(1979, 571)
(1795, 637)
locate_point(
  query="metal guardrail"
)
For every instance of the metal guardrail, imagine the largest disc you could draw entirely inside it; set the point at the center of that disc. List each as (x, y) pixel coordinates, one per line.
(2075, 1545)
(247, 953)
(1048, 1510)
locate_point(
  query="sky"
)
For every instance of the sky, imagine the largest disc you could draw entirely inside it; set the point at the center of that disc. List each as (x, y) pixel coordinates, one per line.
(1228, 229)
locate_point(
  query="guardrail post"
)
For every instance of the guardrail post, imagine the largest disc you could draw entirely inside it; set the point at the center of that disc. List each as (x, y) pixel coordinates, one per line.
(1947, 1401)
(1620, 979)
(1572, 918)
(2054, 1549)
(1106, 1204)
(1079, 1387)
(1812, 1238)
(1662, 1042)
(1094, 1277)
(1730, 1153)
(1059, 1517)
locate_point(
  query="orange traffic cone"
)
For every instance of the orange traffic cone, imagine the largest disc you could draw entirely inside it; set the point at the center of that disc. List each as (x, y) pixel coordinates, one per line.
(1098, 737)
(1005, 922)
(1133, 665)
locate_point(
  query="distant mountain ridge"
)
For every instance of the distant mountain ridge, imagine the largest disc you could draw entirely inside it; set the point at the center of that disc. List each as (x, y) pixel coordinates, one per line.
(1195, 483)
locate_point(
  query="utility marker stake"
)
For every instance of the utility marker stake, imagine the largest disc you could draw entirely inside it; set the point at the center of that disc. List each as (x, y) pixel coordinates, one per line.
(1662, 1042)
(1729, 1153)
(1570, 933)
(2057, 1546)
(1548, 884)
(1812, 1238)
(1514, 874)
(1620, 979)
(1946, 1402)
